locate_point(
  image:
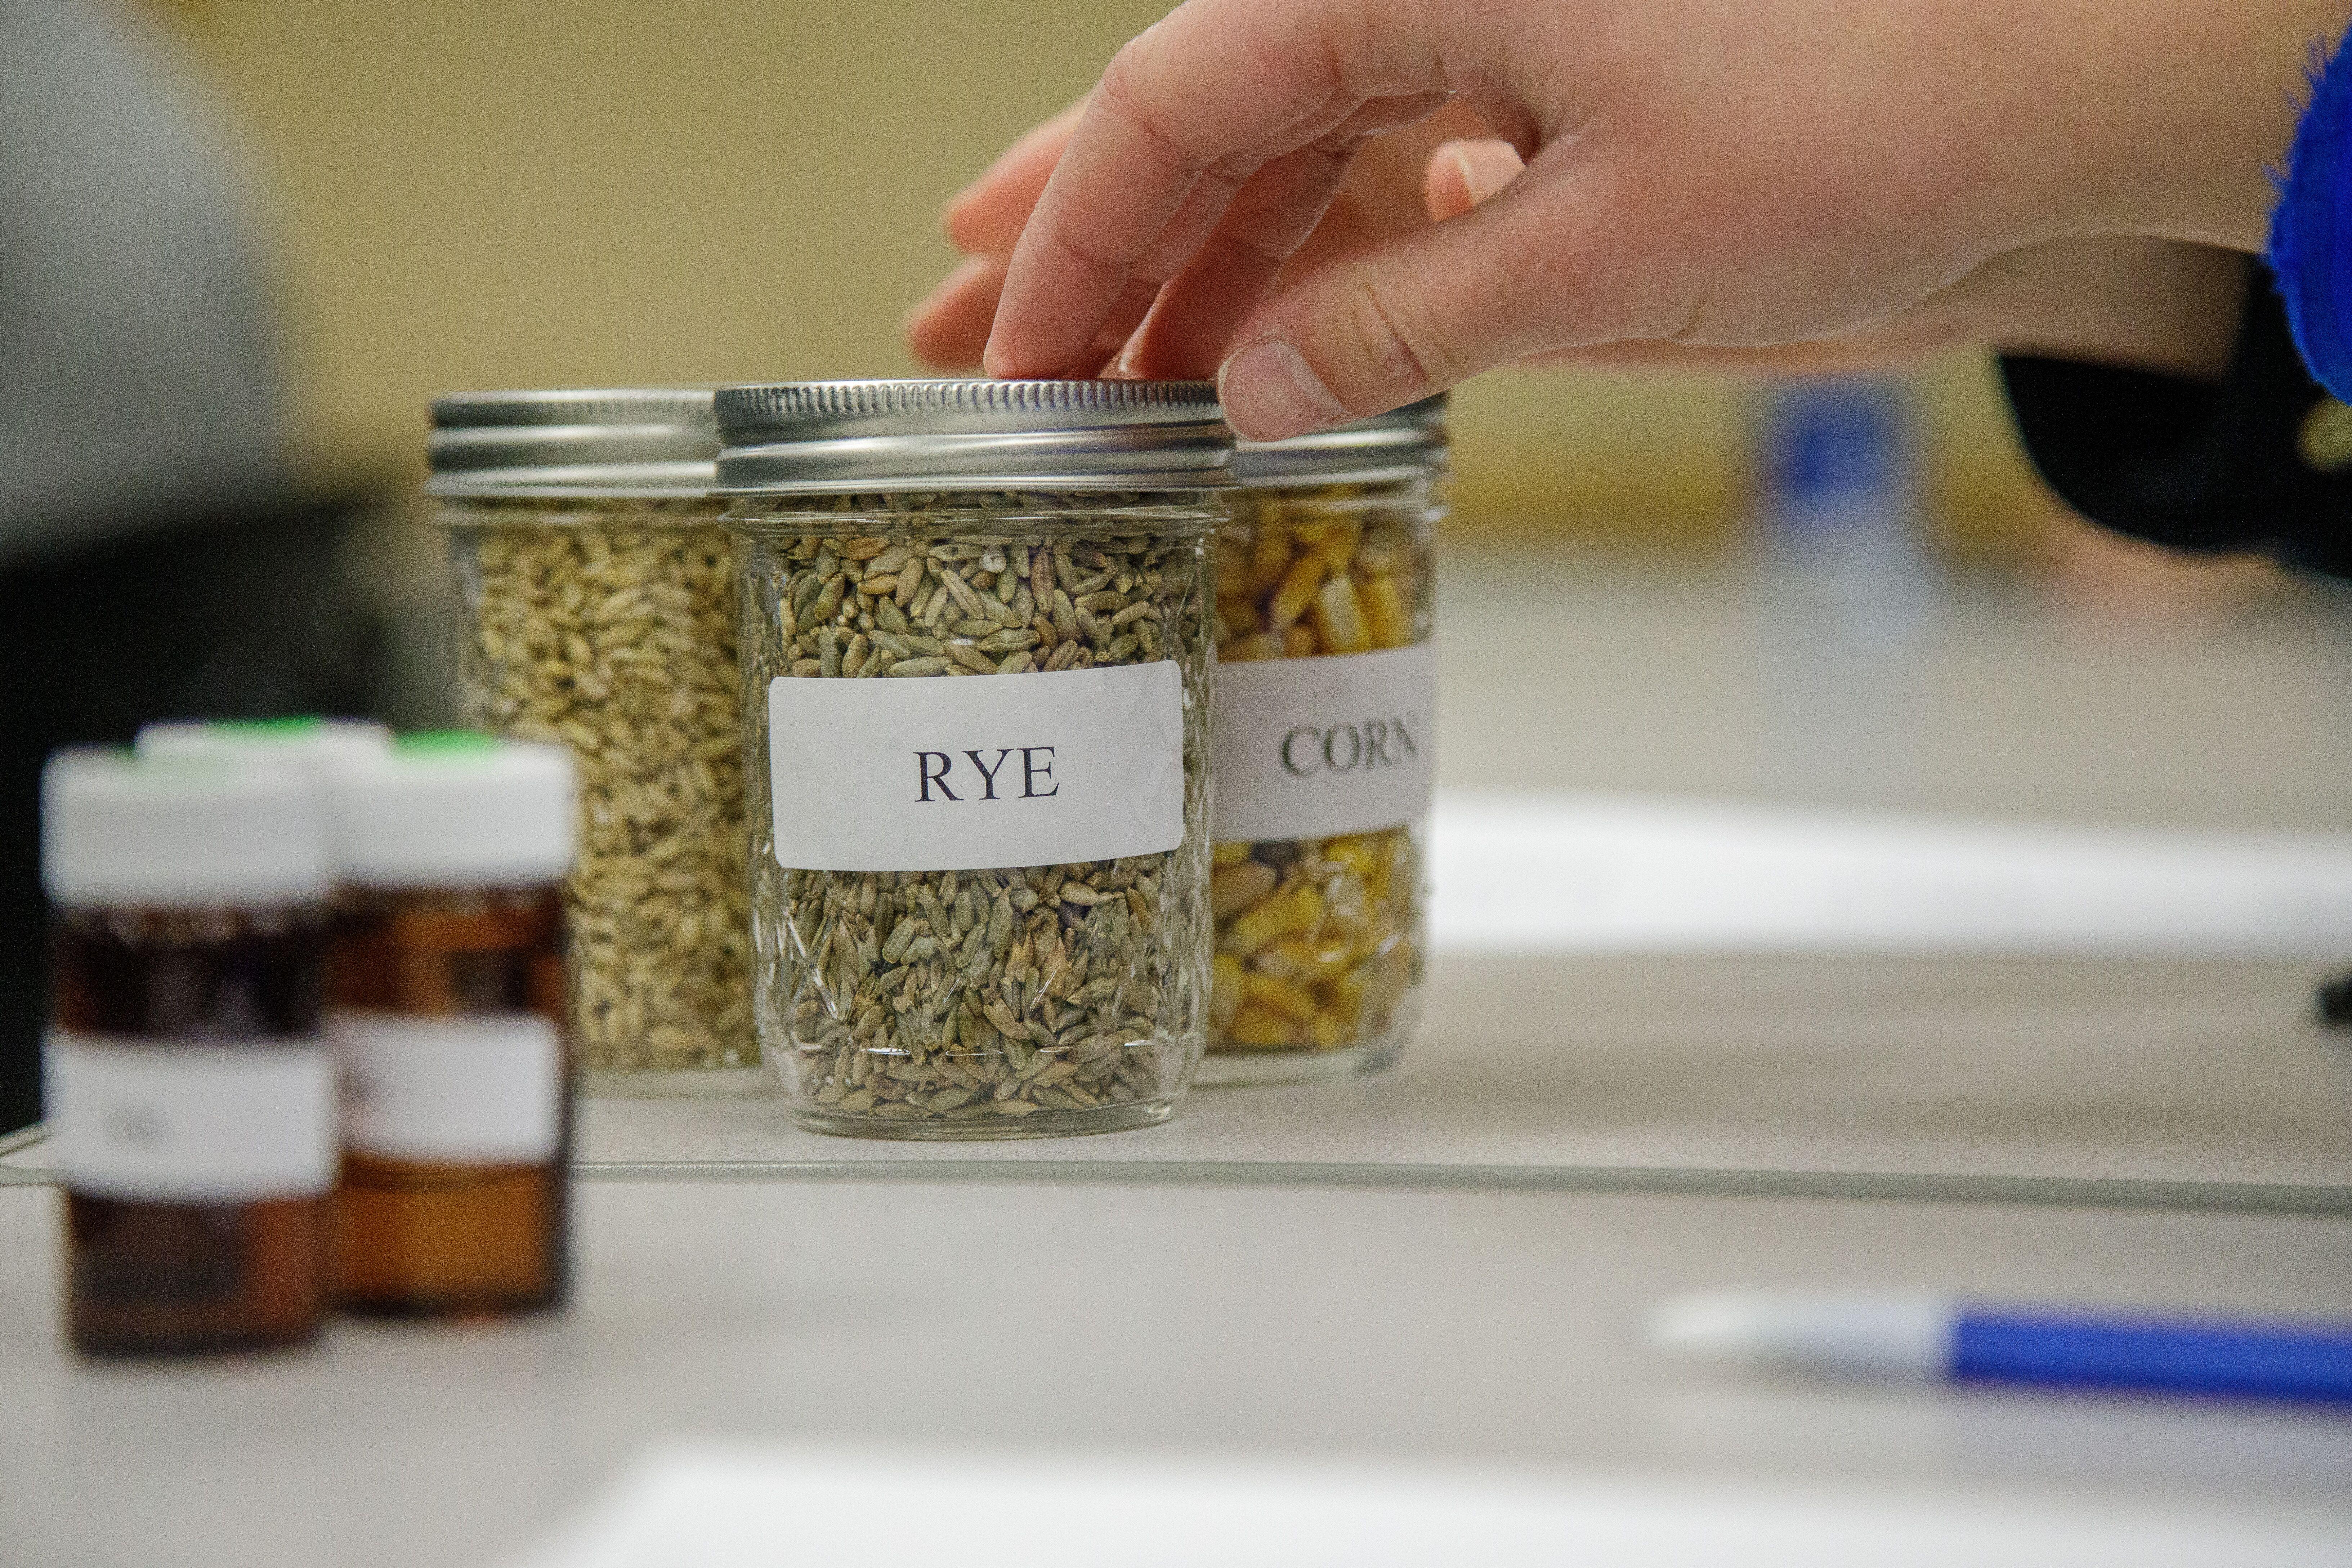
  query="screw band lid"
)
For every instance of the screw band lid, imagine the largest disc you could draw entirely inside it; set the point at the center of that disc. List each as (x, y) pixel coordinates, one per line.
(851, 437)
(1408, 443)
(644, 442)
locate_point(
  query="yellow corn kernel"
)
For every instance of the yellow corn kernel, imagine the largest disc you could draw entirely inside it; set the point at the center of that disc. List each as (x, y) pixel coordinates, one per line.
(1298, 642)
(1225, 990)
(1297, 591)
(1338, 617)
(1339, 541)
(1309, 962)
(1327, 1033)
(1384, 607)
(1307, 535)
(1280, 958)
(1279, 997)
(1239, 616)
(1229, 854)
(1294, 913)
(1395, 874)
(1233, 569)
(1360, 852)
(1383, 555)
(1232, 889)
(1255, 1025)
(1269, 559)
(1262, 645)
(1346, 999)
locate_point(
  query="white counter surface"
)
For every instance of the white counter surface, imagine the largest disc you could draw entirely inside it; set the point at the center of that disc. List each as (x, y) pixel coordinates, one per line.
(1113, 1318)
(1446, 1264)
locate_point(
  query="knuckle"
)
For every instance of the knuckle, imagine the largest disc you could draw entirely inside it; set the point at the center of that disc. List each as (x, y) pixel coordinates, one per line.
(1126, 94)
(1246, 255)
(1392, 337)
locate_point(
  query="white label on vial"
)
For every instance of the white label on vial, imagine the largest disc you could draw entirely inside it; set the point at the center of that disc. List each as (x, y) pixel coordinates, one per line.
(191, 1121)
(945, 774)
(481, 1089)
(1307, 748)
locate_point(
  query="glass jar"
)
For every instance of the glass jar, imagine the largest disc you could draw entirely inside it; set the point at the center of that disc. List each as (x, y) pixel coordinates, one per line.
(595, 600)
(446, 1006)
(1326, 751)
(188, 1080)
(980, 905)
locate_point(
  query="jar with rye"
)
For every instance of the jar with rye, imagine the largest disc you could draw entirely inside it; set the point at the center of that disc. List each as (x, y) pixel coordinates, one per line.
(977, 693)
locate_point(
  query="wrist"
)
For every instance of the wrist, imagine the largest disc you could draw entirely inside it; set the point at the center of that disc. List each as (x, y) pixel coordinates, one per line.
(2189, 110)
(2144, 304)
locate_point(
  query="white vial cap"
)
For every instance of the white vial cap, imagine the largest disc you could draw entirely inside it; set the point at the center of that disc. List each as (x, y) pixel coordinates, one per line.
(180, 832)
(305, 742)
(453, 809)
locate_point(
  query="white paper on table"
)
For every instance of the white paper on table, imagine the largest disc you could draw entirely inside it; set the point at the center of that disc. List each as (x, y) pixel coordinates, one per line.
(1538, 873)
(750, 1506)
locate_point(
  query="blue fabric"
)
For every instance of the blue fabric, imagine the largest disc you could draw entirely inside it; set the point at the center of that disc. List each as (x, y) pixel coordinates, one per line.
(2311, 232)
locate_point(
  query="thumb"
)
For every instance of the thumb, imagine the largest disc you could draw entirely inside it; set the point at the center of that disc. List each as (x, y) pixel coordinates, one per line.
(1416, 314)
(1461, 175)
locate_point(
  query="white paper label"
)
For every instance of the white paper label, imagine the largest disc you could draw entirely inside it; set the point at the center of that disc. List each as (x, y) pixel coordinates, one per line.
(1307, 748)
(945, 774)
(482, 1089)
(191, 1123)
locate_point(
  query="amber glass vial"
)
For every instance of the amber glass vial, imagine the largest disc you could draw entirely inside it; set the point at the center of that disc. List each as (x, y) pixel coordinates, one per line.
(190, 1088)
(447, 1007)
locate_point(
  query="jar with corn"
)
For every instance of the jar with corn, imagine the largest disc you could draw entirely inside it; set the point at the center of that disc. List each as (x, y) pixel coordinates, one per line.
(1325, 750)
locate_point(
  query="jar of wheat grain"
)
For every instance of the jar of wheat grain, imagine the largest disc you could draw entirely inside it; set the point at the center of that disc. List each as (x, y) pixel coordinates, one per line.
(977, 708)
(596, 607)
(1327, 688)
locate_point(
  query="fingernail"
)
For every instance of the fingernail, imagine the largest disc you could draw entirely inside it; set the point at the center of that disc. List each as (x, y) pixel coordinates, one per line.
(1468, 172)
(1271, 393)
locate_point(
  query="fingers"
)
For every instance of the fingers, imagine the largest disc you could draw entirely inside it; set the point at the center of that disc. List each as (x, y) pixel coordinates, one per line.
(1461, 175)
(1418, 313)
(1216, 92)
(1231, 271)
(948, 328)
(986, 217)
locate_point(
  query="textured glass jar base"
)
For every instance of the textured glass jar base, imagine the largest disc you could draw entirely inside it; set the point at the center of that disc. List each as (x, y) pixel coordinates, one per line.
(676, 1083)
(1117, 1118)
(1244, 1068)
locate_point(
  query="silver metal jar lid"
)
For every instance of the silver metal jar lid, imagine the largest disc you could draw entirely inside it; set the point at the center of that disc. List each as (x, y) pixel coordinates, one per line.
(807, 437)
(589, 441)
(1406, 443)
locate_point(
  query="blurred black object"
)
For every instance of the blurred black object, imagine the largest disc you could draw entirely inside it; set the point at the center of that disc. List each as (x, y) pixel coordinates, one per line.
(2335, 1000)
(242, 613)
(2218, 468)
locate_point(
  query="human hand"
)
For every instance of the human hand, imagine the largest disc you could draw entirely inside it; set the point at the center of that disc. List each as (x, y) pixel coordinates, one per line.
(2154, 304)
(2150, 304)
(1392, 187)
(1838, 168)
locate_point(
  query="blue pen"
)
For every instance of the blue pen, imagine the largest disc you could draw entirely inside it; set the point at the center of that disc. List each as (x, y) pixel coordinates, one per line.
(1938, 1337)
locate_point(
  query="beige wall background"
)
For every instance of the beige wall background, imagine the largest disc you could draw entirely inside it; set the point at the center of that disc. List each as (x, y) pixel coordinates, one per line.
(496, 193)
